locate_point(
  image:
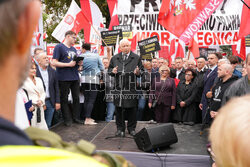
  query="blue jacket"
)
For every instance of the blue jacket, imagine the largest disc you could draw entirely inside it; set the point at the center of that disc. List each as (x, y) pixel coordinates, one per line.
(92, 64)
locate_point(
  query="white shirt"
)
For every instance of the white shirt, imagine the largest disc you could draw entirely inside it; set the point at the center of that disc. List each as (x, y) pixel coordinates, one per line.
(45, 76)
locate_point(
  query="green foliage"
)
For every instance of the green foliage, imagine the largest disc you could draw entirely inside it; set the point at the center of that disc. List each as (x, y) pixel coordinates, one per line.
(54, 11)
(226, 49)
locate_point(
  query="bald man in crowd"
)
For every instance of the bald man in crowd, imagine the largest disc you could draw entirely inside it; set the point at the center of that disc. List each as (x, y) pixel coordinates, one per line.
(226, 78)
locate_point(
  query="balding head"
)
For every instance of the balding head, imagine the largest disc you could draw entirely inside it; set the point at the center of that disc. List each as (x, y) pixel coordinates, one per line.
(225, 71)
(201, 62)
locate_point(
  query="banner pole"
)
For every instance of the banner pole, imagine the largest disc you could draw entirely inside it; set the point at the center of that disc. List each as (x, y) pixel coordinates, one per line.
(95, 30)
(189, 54)
(245, 4)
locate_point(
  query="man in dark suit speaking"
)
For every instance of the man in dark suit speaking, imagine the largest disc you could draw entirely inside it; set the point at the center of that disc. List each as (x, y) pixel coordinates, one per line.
(125, 67)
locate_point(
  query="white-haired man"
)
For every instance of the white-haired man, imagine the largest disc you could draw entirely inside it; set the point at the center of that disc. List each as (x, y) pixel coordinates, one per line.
(125, 67)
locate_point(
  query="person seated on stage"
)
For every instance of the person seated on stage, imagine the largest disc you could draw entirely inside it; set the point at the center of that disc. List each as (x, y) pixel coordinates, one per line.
(230, 133)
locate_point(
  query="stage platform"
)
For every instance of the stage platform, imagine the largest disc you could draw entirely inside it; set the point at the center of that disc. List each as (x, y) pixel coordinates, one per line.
(189, 139)
(190, 151)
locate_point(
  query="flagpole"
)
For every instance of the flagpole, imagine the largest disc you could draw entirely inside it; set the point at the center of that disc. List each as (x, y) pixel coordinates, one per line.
(245, 4)
(189, 54)
(95, 29)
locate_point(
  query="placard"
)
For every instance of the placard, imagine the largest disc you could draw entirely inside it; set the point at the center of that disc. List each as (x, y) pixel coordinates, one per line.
(110, 37)
(149, 45)
(126, 30)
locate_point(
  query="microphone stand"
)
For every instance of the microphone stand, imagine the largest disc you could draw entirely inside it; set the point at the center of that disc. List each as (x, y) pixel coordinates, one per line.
(121, 104)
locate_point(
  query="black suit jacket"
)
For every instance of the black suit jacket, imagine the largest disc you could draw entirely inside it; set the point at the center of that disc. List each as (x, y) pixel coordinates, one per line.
(125, 79)
(209, 79)
(53, 85)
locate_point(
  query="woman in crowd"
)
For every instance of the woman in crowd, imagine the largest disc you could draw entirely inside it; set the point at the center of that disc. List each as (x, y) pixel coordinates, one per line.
(35, 90)
(186, 91)
(164, 90)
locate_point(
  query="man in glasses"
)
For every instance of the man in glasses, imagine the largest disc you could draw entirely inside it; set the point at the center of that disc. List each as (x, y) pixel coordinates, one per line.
(68, 78)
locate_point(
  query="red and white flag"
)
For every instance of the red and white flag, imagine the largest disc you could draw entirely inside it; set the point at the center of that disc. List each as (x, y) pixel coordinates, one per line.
(184, 18)
(94, 17)
(114, 21)
(193, 49)
(245, 20)
(73, 20)
(180, 50)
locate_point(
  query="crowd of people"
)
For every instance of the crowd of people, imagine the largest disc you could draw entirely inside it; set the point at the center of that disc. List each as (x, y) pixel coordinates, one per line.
(87, 89)
(32, 91)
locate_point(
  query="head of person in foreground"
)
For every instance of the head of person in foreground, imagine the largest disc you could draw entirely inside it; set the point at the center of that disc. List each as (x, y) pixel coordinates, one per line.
(230, 134)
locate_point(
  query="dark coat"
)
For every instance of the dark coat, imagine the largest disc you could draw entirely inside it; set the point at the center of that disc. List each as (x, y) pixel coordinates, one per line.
(125, 79)
(208, 84)
(199, 79)
(168, 95)
(181, 76)
(53, 85)
(238, 88)
(186, 93)
(12, 135)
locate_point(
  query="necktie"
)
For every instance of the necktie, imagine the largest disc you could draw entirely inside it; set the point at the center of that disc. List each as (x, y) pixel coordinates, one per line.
(125, 57)
(209, 71)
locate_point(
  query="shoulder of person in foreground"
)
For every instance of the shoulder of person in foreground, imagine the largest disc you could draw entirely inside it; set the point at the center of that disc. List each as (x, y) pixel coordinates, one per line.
(50, 139)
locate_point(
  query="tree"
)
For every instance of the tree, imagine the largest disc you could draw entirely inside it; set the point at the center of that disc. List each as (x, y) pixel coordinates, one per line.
(54, 11)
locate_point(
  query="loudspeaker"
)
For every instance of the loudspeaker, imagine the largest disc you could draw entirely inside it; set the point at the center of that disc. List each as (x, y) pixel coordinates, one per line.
(155, 137)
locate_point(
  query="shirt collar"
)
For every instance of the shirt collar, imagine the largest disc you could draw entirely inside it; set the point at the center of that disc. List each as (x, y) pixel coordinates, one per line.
(212, 68)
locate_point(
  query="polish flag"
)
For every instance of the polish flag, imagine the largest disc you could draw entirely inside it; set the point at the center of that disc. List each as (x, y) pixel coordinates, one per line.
(134, 42)
(114, 18)
(240, 49)
(194, 49)
(94, 17)
(73, 20)
(180, 50)
(172, 47)
(245, 20)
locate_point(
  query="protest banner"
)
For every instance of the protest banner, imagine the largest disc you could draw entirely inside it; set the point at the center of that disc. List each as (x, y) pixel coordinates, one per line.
(126, 30)
(110, 37)
(149, 45)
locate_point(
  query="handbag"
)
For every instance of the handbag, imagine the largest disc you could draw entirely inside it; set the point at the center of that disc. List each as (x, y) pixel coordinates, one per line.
(155, 101)
(38, 115)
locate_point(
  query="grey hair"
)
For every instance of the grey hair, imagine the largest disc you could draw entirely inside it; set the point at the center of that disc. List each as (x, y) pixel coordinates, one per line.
(224, 60)
(124, 41)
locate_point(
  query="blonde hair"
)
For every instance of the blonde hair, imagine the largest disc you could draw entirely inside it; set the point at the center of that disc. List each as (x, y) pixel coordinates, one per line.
(230, 134)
